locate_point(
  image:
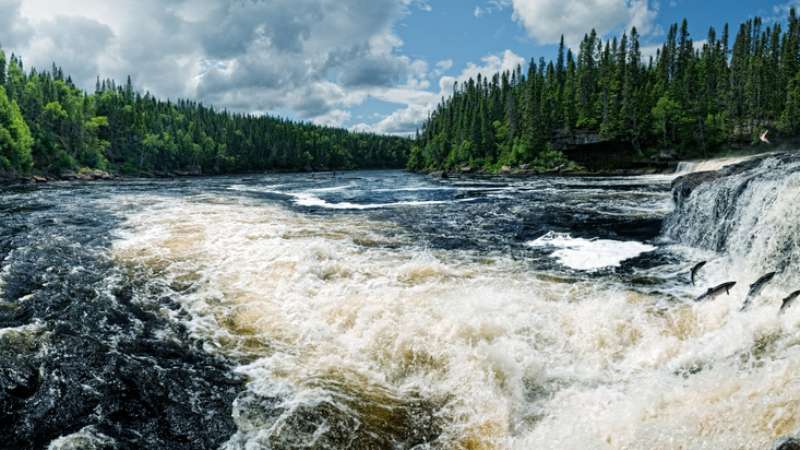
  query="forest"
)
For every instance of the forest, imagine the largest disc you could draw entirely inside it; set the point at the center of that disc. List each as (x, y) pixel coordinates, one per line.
(691, 98)
(49, 126)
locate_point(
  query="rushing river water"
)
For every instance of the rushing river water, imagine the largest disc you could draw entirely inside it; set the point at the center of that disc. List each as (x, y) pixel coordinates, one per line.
(375, 310)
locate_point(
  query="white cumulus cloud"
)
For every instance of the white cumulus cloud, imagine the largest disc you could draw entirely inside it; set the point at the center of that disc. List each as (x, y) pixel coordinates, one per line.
(546, 20)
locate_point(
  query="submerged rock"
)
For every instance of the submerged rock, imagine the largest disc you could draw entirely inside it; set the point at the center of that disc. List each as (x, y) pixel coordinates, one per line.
(88, 362)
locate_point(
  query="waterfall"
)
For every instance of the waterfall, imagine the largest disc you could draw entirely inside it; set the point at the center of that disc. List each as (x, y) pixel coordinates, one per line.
(747, 212)
(687, 167)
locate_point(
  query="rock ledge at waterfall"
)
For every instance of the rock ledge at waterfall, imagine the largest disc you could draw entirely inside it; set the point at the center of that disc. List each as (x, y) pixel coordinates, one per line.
(743, 211)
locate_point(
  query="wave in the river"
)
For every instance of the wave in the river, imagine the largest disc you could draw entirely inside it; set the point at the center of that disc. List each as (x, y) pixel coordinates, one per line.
(353, 336)
(310, 198)
(590, 254)
(125, 307)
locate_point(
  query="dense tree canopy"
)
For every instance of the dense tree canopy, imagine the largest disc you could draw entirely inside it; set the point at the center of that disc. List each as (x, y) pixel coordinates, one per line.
(49, 125)
(15, 137)
(689, 98)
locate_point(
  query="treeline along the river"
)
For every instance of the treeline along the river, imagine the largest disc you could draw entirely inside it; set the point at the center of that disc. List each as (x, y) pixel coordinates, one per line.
(48, 125)
(691, 97)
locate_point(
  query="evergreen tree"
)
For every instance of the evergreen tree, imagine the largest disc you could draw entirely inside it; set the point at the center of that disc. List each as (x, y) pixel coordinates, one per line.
(15, 137)
(51, 126)
(689, 99)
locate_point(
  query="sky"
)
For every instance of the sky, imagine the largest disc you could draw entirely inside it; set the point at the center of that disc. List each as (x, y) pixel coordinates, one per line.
(368, 65)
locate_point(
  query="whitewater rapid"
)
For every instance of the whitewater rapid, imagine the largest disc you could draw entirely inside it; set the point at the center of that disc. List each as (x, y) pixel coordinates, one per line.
(353, 335)
(377, 310)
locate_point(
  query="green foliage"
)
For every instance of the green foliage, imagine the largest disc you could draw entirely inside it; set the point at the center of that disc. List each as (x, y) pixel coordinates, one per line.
(690, 98)
(790, 119)
(667, 114)
(15, 138)
(551, 159)
(49, 125)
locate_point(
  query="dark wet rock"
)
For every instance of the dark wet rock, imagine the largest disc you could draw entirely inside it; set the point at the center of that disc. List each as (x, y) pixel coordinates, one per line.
(84, 175)
(193, 171)
(94, 175)
(787, 443)
(709, 206)
(83, 360)
(683, 186)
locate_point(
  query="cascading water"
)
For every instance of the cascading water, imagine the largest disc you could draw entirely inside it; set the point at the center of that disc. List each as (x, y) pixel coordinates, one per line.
(386, 310)
(748, 214)
(687, 167)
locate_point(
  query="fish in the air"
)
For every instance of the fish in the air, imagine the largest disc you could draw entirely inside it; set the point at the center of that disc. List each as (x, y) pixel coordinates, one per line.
(787, 302)
(756, 289)
(716, 291)
(696, 269)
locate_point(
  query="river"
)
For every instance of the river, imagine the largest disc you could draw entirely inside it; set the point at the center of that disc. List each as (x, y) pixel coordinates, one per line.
(384, 309)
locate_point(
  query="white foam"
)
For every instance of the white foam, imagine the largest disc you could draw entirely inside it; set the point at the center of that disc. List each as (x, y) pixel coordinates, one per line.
(590, 254)
(333, 189)
(308, 199)
(687, 167)
(270, 188)
(511, 360)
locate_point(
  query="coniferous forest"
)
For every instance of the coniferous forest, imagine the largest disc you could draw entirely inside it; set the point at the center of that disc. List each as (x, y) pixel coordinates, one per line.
(689, 100)
(48, 125)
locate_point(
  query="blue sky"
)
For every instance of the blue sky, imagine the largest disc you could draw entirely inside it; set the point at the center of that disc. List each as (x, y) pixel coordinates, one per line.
(374, 65)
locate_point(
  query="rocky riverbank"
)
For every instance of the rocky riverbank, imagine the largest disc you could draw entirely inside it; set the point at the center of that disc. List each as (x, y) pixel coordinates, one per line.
(564, 171)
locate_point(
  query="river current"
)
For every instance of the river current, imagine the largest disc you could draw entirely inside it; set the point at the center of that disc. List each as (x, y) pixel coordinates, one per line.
(376, 310)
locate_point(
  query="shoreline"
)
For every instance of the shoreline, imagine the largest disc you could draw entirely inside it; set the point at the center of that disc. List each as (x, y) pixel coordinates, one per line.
(651, 168)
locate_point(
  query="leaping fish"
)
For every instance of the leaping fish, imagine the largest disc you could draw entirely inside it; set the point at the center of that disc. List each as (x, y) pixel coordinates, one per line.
(716, 291)
(696, 269)
(764, 137)
(756, 289)
(787, 302)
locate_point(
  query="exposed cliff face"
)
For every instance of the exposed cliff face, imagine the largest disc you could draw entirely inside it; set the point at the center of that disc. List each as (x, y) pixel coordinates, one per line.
(600, 154)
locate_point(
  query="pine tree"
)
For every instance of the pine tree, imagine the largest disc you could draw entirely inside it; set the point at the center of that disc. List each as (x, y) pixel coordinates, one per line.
(15, 137)
(2, 68)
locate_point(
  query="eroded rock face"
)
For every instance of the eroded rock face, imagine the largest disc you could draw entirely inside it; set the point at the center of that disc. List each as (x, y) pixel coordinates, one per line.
(683, 186)
(83, 357)
(745, 211)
